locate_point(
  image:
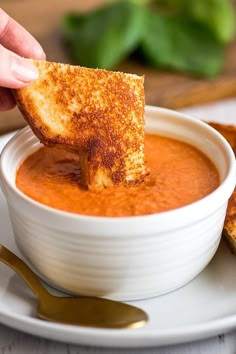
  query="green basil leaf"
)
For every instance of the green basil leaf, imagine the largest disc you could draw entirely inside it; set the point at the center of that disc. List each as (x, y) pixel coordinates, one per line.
(217, 15)
(141, 2)
(104, 37)
(173, 42)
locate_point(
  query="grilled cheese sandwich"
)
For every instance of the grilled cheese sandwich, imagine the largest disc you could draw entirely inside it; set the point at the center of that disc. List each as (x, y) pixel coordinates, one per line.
(98, 113)
(229, 231)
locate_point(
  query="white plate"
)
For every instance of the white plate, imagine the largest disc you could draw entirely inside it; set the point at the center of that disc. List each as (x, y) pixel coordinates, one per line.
(203, 308)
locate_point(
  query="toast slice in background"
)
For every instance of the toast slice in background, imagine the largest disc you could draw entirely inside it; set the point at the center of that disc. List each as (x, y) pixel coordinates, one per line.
(98, 113)
(229, 231)
(228, 132)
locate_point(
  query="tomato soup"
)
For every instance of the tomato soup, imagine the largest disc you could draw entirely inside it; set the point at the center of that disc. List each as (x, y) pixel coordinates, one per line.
(179, 174)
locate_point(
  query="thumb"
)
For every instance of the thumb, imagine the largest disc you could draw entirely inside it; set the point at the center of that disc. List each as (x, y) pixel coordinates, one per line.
(15, 71)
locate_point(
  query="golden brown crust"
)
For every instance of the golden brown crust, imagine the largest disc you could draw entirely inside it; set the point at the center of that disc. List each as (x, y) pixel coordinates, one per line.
(229, 132)
(96, 112)
(230, 222)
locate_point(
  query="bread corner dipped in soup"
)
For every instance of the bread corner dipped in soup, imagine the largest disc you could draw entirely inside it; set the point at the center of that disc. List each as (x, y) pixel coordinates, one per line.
(96, 159)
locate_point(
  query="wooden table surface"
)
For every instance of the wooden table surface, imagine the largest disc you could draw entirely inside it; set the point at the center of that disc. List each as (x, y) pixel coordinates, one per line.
(42, 19)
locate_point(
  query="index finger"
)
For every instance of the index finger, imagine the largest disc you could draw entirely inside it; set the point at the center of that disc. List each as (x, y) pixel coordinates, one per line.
(17, 39)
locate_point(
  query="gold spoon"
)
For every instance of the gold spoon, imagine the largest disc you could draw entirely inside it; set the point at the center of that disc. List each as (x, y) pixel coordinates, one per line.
(83, 311)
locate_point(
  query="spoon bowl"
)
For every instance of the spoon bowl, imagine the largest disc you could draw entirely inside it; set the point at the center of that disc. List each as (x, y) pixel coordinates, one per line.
(90, 312)
(83, 311)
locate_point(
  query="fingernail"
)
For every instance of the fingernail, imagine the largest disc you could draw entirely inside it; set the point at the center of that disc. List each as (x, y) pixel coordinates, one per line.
(39, 54)
(23, 70)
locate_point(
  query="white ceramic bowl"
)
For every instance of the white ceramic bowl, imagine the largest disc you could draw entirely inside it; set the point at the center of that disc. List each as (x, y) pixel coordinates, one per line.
(122, 258)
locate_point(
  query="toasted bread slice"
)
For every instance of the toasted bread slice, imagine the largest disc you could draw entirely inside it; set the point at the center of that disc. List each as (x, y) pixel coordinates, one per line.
(96, 112)
(229, 230)
(229, 132)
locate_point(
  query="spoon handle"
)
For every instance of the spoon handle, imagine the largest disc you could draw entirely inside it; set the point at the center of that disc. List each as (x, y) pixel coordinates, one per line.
(23, 271)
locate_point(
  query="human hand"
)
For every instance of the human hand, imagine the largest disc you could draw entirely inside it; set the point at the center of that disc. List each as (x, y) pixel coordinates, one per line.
(15, 72)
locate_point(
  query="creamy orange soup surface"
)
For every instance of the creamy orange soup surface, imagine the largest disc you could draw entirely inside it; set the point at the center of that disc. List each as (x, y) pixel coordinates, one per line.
(179, 174)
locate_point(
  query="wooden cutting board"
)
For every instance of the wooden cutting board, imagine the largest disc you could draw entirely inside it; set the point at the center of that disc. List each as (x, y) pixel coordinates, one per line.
(165, 89)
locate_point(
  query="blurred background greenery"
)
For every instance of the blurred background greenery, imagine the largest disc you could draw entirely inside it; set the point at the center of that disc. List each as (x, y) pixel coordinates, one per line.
(183, 35)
